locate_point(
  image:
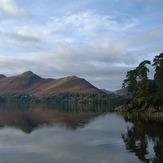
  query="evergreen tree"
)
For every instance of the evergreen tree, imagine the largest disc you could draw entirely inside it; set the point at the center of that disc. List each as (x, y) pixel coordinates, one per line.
(144, 91)
(158, 77)
(142, 79)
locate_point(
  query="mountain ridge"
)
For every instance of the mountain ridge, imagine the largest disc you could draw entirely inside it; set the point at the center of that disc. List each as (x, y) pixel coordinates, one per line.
(31, 83)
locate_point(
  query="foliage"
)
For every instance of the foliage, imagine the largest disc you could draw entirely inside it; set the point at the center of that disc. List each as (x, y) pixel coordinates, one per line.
(144, 91)
(158, 77)
(18, 97)
(110, 101)
(85, 98)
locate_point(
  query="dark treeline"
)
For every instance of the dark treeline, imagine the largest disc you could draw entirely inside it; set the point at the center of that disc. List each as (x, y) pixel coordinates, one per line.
(144, 93)
(82, 98)
(18, 97)
(111, 101)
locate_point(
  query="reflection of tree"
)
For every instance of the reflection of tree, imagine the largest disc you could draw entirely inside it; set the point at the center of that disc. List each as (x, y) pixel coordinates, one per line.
(136, 142)
(144, 136)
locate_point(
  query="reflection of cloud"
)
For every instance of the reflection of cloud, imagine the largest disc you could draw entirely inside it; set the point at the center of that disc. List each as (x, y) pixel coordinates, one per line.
(97, 142)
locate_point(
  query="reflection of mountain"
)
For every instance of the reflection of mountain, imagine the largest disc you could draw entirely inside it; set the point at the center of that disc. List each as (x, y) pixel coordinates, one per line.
(145, 139)
(29, 120)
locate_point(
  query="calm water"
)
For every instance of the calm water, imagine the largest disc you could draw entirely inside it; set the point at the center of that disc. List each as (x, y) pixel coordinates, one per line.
(46, 134)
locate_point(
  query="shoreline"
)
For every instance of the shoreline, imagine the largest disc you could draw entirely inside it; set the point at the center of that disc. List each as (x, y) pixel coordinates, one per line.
(151, 113)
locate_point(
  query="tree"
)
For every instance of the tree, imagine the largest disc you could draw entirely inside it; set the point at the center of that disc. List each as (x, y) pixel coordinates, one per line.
(130, 82)
(158, 77)
(137, 80)
(142, 78)
(146, 93)
(158, 64)
(137, 83)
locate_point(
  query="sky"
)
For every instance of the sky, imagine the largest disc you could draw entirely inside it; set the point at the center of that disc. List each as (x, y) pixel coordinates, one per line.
(99, 40)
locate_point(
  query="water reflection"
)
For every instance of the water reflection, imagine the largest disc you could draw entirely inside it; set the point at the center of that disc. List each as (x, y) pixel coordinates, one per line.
(30, 117)
(28, 120)
(145, 138)
(99, 141)
(77, 133)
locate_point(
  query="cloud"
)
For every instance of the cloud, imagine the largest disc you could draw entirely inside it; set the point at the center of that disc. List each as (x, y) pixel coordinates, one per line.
(94, 53)
(101, 66)
(150, 37)
(80, 28)
(11, 8)
(100, 48)
(89, 21)
(19, 36)
(25, 41)
(23, 38)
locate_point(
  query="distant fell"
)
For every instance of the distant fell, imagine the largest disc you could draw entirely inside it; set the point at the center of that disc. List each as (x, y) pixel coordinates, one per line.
(122, 92)
(2, 76)
(106, 91)
(30, 83)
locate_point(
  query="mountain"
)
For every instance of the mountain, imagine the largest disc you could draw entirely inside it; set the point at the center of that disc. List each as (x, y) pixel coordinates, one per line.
(2, 76)
(30, 83)
(106, 91)
(122, 92)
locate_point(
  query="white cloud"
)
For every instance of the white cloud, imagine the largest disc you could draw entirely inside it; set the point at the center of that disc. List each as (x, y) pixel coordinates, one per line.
(98, 65)
(11, 8)
(86, 44)
(89, 22)
(78, 28)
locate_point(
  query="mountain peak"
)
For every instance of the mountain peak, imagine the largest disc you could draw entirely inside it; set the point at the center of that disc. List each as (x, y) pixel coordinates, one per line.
(31, 83)
(73, 76)
(28, 74)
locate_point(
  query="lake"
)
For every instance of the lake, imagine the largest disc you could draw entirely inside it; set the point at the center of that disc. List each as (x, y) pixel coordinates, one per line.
(77, 134)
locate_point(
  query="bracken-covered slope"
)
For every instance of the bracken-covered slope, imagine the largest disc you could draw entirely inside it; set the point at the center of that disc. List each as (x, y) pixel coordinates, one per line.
(30, 83)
